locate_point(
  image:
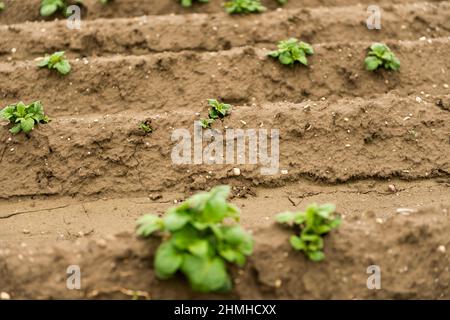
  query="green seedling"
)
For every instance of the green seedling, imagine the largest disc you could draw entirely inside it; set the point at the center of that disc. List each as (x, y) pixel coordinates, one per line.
(282, 2)
(56, 61)
(244, 6)
(217, 109)
(188, 3)
(24, 117)
(200, 236)
(2, 6)
(313, 223)
(381, 56)
(145, 126)
(206, 123)
(49, 7)
(291, 51)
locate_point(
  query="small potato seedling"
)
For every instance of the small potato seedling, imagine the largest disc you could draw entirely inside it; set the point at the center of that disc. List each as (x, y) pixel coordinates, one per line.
(198, 242)
(56, 61)
(49, 7)
(2, 6)
(217, 110)
(315, 222)
(291, 51)
(24, 117)
(145, 126)
(381, 56)
(188, 3)
(244, 6)
(206, 123)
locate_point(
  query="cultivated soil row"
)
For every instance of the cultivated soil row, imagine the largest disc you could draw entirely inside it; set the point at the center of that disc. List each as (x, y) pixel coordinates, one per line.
(375, 144)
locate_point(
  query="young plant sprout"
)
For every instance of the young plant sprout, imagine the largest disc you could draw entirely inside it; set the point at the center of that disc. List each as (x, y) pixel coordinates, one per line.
(291, 51)
(244, 6)
(56, 61)
(24, 117)
(144, 126)
(188, 3)
(313, 224)
(217, 110)
(206, 123)
(381, 56)
(49, 7)
(197, 242)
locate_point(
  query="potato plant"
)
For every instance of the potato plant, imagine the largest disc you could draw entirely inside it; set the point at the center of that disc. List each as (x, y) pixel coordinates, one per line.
(2, 6)
(50, 7)
(200, 236)
(24, 117)
(217, 110)
(244, 6)
(313, 223)
(56, 61)
(144, 126)
(380, 55)
(188, 3)
(291, 51)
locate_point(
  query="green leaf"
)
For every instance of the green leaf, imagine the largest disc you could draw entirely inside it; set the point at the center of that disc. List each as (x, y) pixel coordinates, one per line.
(199, 248)
(26, 124)
(175, 220)
(16, 129)
(149, 224)
(48, 10)
(206, 274)
(286, 58)
(167, 260)
(183, 238)
(316, 256)
(285, 217)
(297, 243)
(63, 67)
(372, 63)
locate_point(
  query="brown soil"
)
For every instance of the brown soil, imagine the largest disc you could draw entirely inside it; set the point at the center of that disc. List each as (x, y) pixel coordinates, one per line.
(372, 143)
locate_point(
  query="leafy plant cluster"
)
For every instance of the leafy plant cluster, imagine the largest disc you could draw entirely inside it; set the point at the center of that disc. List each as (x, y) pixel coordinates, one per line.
(314, 223)
(50, 7)
(216, 111)
(56, 61)
(2, 6)
(188, 3)
(24, 117)
(244, 6)
(291, 51)
(198, 242)
(381, 56)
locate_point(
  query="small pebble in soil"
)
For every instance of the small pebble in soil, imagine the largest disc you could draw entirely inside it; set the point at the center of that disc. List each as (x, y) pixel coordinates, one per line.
(4, 296)
(392, 188)
(278, 283)
(284, 172)
(236, 171)
(25, 231)
(441, 248)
